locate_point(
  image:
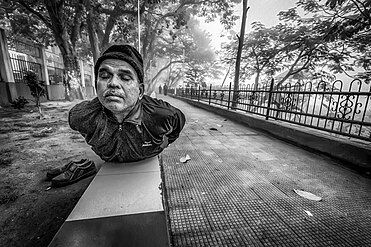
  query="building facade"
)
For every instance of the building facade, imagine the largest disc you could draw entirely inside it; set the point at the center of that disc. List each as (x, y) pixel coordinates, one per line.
(20, 56)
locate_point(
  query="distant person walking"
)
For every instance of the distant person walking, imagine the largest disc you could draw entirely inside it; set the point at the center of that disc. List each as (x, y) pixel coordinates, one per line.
(160, 89)
(165, 89)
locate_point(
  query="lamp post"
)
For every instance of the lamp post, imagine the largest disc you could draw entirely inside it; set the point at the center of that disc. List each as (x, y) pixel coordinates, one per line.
(139, 26)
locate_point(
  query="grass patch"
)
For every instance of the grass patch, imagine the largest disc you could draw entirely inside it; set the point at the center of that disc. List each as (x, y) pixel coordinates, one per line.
(5, 161)
(40, 135)
(23, 124)
(23, 138)
(8, 196)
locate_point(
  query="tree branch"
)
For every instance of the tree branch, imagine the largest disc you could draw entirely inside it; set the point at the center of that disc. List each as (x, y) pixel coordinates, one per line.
(164, 68)
(37, 14)
(77, 22)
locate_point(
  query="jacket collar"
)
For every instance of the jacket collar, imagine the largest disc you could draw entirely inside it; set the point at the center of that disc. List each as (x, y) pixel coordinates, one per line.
(134, 116)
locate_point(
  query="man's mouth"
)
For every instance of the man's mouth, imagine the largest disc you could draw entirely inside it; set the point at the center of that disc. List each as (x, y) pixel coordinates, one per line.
(112, 95)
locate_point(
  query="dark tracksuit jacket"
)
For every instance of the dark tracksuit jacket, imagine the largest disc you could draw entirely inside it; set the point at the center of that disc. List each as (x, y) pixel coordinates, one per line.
(138, 137)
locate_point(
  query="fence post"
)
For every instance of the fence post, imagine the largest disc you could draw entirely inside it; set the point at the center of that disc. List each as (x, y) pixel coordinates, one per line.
(191, 91)
(210, 95)
(269, 99)
(229, 94)
(199, 90)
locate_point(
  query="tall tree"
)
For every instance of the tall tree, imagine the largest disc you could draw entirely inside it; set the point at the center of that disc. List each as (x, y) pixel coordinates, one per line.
(64, 19)
(239, 52)
(349, 23)
(110, 21)
(260, 52)
(189, 51)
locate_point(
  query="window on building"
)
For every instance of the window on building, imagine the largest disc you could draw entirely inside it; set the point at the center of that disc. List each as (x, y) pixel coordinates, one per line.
(88, 81)
(55, 75)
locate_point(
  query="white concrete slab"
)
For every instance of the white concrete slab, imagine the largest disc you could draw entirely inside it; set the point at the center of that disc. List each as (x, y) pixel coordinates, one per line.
(121, 189)
(147, 165)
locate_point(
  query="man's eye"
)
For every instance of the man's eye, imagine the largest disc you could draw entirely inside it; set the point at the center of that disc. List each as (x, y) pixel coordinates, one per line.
(104, 75)
(125, 77)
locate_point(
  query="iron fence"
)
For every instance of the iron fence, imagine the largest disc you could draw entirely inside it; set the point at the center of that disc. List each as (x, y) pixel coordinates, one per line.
(20, 67)
(337, 107)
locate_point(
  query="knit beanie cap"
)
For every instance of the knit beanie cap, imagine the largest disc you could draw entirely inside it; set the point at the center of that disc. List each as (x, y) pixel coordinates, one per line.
(126, 53)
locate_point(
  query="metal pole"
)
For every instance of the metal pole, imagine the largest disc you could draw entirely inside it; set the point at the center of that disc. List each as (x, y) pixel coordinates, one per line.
(191, 91)
(210, 95)
(229, 94)
(269, 99)
(139, 26)
(199, 89)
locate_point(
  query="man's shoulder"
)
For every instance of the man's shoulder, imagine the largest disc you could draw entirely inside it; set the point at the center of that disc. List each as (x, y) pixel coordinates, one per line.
(157, 107)
(87, 106)
(84, 112)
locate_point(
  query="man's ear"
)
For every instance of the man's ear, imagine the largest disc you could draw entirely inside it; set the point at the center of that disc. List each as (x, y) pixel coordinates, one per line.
(141, 90)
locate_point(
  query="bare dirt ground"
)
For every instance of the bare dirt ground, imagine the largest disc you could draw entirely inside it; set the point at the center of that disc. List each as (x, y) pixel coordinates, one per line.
(29, 146)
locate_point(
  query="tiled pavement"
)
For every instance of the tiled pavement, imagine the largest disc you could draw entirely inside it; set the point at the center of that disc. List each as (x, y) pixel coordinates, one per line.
(237, 190)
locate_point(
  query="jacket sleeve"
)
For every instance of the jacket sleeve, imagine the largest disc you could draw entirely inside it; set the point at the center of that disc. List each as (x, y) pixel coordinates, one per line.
(81, 116)
(176, 125)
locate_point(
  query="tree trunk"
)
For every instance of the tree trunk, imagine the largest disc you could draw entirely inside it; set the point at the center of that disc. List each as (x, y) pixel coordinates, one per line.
(63, 40)
(93, 37)
(226, 75)
(239, 52)
(150, 85)
(257, 77)
(71, 74)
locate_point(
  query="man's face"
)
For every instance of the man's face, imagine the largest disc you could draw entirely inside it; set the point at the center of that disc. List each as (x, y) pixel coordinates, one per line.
(118, 85)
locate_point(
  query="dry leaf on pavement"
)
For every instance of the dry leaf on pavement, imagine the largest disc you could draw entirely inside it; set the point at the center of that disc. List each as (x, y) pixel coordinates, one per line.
(308, 195)
(185, 159)
(308, 213)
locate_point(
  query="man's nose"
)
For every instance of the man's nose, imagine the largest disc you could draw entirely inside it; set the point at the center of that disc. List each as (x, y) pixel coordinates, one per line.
(114, 82)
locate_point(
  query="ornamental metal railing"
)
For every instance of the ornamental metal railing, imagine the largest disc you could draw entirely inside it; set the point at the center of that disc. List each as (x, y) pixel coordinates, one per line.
(338, 108)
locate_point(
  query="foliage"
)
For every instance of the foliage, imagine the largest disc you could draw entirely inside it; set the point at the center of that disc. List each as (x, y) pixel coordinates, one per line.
(18, 23)
(57, 22)
(86, 27)
(300, 49)
(348, 19)
(189, 55)
(349, 23)
(19, 103)
(36, 87)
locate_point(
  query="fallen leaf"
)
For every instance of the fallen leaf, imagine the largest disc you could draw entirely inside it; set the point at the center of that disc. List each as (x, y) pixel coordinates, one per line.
(308, 213)
(185, 159)
(308, 195)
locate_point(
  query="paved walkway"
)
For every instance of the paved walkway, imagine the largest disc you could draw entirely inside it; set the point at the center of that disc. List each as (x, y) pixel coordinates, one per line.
(237, 190)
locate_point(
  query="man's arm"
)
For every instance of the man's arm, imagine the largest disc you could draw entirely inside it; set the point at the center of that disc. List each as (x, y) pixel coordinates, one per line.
(81, 116)
(163, 119)
(177, 124)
